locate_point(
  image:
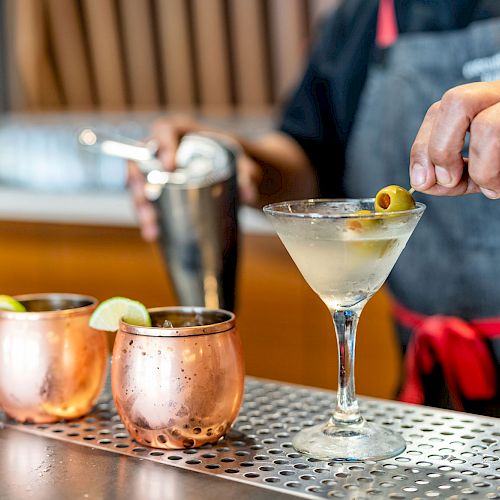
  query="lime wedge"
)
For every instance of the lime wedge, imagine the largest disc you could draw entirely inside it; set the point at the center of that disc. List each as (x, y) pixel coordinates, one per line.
(108, 314)
(7, 303)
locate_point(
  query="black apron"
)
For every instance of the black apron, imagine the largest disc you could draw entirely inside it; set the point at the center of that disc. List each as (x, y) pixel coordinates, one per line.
(451, 264)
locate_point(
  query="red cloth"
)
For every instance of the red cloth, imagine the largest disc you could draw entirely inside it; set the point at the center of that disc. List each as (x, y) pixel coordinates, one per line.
(387, 24)
(458, 346)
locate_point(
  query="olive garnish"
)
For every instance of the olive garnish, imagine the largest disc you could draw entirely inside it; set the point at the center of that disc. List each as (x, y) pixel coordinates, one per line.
(394, 199)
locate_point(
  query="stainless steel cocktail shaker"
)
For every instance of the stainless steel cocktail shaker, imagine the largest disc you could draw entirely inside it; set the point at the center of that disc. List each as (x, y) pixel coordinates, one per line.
(197, 208)
(198, 222)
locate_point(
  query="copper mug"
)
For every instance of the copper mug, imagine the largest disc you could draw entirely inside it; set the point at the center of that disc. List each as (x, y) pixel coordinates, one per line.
(52, 364)
(180, 386)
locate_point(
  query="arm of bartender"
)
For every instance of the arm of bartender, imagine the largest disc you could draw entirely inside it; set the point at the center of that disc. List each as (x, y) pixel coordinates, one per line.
(270, 169)
(437, 166)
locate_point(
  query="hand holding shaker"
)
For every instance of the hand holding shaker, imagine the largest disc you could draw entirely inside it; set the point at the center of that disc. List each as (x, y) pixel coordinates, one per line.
(197, 208)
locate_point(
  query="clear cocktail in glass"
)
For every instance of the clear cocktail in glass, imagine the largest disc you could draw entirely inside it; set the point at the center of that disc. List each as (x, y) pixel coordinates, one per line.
(345, 256)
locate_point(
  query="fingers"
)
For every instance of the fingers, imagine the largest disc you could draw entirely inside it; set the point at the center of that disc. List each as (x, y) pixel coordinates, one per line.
(484, 151)
(422, 175)
(167, 133)
(423, 172)
(148, 222)
(437, 166)
(456, 111)
(146, 213)
(167, 138)
(249, 177)
(465, 186)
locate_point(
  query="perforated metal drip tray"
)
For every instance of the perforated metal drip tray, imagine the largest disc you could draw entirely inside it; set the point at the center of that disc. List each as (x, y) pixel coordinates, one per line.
(449, 455)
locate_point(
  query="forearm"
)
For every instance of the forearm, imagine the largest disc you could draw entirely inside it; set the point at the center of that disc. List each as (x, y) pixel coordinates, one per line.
(284, 170)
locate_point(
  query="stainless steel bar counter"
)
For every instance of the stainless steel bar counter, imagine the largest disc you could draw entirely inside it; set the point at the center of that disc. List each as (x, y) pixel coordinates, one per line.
(449, 455)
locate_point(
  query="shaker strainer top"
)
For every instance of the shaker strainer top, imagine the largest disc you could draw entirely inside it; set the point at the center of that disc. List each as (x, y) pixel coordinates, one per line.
(203, 159)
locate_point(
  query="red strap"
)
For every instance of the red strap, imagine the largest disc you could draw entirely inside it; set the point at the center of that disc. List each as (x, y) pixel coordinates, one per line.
(458, 346)
(387, 25)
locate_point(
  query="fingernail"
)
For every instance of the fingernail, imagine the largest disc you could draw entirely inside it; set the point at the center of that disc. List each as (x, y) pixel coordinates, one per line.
(443, 176)
(489, 193)
(418, 175)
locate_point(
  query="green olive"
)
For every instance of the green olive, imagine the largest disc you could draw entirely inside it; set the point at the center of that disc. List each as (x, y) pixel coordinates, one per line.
(361, 224)
(367, 247)
(394, 199)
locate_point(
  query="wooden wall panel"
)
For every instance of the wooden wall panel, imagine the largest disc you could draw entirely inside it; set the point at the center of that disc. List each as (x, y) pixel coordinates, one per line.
(5, 58)
(69, 50)
(140, 62)
(288, 43)
(32, 84)
(144, 54)
(248, 36)
(176, 53)
(212, 54)
(102, 26)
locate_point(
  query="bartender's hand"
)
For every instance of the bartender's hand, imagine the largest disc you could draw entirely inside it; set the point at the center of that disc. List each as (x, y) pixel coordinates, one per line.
(437, 166)
(167, 133)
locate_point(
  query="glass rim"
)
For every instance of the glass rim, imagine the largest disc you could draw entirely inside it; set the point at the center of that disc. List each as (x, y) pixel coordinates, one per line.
(273, 209)
(83, 309)
(225, 325)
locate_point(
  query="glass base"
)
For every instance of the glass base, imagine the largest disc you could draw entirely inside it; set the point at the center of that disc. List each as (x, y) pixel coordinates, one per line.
(349, 442)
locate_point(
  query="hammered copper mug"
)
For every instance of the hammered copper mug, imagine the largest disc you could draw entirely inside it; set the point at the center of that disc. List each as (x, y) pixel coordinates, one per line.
(52, 364)
(180, 386)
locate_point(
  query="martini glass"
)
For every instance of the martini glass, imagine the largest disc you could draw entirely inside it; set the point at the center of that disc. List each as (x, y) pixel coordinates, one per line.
(345, 258)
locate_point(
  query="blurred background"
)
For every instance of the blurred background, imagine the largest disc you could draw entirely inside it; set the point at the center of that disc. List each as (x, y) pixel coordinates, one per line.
(66, 220)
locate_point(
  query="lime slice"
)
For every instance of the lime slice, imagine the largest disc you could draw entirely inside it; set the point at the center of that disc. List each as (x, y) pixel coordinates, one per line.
(7, 303)
(108, 314)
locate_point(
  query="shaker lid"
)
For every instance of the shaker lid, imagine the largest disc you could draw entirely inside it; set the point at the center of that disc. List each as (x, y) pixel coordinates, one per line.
(202, 160)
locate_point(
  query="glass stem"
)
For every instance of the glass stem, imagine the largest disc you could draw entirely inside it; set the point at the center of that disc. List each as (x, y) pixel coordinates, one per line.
(346, 321)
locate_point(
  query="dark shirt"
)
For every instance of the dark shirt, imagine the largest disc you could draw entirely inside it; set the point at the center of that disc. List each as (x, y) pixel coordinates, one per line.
(320, 113)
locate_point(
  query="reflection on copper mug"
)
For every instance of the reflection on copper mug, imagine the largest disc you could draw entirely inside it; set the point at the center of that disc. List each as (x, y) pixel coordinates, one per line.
(52, 364)
(180, 386)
